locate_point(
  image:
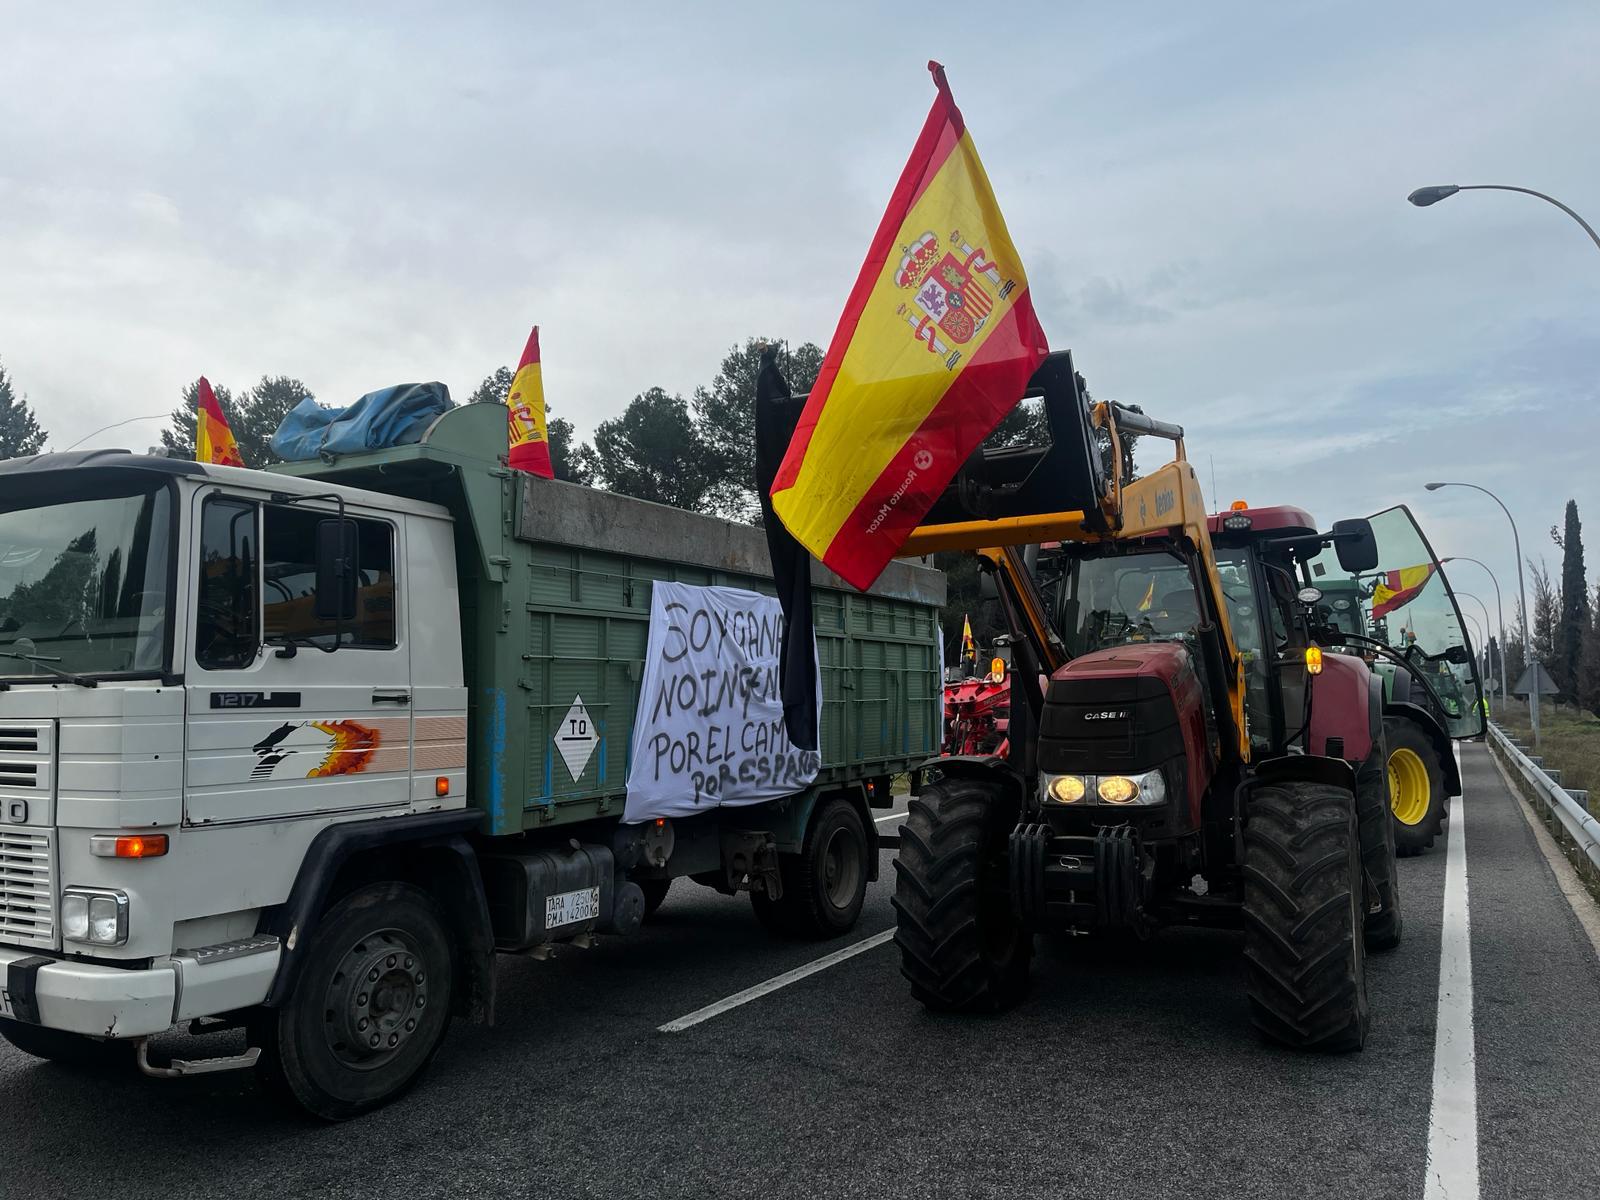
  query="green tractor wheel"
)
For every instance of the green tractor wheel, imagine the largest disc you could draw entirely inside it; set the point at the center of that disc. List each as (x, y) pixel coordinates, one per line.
(1416, 787)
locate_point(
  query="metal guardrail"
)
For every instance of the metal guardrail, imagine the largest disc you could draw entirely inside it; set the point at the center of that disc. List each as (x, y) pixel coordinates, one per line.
(1579, 823)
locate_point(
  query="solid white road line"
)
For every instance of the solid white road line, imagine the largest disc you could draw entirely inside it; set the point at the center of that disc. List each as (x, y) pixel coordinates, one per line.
(773, 984)
(1453, 1118)
(890, 817)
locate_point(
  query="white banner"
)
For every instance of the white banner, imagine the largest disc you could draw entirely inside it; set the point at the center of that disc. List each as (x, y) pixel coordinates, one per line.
(709, 730)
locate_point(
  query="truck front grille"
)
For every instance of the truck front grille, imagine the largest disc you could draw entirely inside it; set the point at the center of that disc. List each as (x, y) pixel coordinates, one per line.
(27, 887)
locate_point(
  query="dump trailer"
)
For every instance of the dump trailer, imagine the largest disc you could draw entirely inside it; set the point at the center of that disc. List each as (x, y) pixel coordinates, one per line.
(301, 751)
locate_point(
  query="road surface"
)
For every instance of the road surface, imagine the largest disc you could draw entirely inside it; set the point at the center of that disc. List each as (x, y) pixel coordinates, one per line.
(1128, 1071)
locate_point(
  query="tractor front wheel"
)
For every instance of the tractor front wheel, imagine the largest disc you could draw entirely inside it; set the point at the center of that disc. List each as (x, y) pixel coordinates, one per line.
(1416, 787)
(961, 945)
(1303, 915)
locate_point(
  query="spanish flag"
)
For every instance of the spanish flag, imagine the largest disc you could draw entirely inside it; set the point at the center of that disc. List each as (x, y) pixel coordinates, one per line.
(530, 445)
(936, 344)
(1399, 588)
(969, 648)
(213, 439)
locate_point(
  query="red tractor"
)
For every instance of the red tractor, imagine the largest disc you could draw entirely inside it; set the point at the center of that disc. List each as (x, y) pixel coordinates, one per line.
(1180, 751)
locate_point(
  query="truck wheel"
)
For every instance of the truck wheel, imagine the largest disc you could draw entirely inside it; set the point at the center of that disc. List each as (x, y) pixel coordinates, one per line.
(369, 1010)
(1383, 921)
(655, 894)
(825, 885)
(1303, 889)
(961, 945)
(1416, 787)
(68, 1049)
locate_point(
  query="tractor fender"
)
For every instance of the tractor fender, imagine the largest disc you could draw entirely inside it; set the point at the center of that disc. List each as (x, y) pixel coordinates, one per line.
(1438, 738)
(1341, 709)
(990, 768)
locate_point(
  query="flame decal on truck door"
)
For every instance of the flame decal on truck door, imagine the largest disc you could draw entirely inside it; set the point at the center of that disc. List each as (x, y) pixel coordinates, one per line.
(342, 747)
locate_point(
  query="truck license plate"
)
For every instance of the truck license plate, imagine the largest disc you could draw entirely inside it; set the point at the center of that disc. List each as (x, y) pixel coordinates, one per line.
(568, 908)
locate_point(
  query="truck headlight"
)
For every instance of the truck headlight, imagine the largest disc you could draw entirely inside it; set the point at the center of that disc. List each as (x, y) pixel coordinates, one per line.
(96, 916)
(1148, 787)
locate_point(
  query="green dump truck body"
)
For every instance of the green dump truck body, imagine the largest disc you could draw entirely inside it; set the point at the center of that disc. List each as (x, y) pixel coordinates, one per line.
(556, 584)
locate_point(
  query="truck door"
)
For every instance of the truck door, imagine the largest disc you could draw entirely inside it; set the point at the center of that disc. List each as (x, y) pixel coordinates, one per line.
(292, 712)
(1407, 604)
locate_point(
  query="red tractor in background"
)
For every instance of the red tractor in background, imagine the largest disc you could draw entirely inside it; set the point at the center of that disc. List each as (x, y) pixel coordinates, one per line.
(977, 710)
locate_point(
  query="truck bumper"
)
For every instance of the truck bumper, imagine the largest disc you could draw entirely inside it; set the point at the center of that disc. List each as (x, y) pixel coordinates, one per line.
(112, 1002)
(86, 997)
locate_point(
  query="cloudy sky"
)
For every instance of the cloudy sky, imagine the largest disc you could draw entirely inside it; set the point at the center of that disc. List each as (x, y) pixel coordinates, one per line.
(1209, 200)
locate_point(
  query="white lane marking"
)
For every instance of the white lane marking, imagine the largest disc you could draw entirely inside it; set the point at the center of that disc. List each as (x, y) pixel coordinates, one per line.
(1453, 1116)
(773, 984)
(890, 817)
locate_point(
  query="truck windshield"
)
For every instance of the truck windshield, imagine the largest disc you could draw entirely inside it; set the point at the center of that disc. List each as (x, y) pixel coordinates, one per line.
(83, 585)
(1126, 598)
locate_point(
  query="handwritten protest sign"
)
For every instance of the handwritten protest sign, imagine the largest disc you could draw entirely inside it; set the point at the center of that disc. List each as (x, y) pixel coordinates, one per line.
(709, 729)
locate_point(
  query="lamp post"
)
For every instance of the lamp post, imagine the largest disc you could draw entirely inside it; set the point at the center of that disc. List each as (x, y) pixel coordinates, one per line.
(1500, 611)
(1425, 196)
(1482, 637)
(1522, 599)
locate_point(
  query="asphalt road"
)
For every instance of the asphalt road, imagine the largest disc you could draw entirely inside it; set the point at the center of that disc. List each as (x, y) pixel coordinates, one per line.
(1129, 1071)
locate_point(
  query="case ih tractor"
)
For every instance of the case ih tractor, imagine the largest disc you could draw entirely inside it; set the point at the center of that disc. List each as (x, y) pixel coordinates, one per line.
(1181, 750)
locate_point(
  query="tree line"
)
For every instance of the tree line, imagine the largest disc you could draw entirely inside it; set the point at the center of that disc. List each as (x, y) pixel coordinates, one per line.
(1564, 621)
(695, 452)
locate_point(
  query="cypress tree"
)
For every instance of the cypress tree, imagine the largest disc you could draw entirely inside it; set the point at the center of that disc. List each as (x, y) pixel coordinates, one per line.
(1574, 618)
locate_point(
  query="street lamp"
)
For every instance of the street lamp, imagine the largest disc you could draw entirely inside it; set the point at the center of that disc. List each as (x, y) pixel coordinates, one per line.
(1482, 639)
(1500, 611)
(1522, 600)
(1425, 196)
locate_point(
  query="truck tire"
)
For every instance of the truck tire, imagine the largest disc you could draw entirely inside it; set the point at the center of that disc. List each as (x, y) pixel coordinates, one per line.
(1416, 786)
(68, 1049)
(655, 894)
(1383, 917)
(369, 1010)
(1303, 892)
(961, 945)
(825, 885)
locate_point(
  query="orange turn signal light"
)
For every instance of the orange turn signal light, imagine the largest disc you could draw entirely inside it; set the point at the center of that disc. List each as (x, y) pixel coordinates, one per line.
(137, 845)
(1238, 506)
(1314, 660)
(441, 785)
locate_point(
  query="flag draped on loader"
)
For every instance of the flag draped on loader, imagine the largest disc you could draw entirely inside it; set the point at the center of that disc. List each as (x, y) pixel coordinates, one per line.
(1398, 588)
(530, 442)
(936, 344)
(213, 438)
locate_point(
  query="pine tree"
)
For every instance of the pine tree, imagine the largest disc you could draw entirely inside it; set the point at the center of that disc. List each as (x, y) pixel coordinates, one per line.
(494, 389)
(253, 415)
(1545, 629)
(1574, 611)
(1589, 663)
(651, 452)
(20, 434)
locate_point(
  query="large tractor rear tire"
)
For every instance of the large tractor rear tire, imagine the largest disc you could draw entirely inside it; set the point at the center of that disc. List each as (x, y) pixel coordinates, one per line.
(1416, 786)
(961, 945)
(1303, 915)
(1383, 918)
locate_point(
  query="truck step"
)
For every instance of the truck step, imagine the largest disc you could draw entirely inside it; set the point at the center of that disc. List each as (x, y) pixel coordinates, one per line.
(181, 1068)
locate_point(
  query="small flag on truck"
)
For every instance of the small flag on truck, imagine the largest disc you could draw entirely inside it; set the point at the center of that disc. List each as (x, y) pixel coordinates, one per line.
(213, 438)
(530, 443)
(936, 343)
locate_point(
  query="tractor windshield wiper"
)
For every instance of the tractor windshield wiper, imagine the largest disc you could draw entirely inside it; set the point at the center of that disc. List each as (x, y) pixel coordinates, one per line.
(42, 661)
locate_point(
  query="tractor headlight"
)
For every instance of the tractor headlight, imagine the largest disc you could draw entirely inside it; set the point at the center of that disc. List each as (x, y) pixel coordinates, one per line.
(98, 916)
(1148, 787)
(1065, 789)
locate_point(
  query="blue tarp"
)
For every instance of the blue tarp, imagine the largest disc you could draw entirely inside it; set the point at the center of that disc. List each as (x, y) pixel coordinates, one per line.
(391, 416)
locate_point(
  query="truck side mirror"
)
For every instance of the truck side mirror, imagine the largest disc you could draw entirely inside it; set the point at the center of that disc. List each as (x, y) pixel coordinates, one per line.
(1356, 545)
(336, 570)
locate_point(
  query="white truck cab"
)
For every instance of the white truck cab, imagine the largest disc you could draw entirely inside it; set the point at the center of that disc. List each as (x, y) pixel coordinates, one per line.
(183, 711)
